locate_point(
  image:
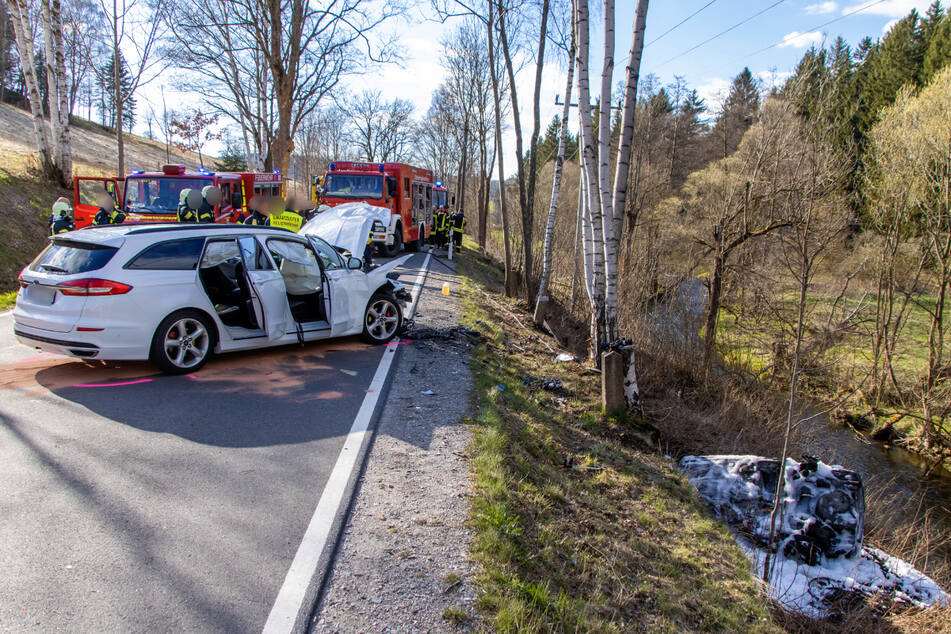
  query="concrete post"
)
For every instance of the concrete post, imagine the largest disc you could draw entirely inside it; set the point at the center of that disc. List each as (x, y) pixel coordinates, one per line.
(541, 311)
(612, 381)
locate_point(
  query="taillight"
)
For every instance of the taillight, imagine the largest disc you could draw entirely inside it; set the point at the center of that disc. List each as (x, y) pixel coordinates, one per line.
(93, 286)
(21, 282)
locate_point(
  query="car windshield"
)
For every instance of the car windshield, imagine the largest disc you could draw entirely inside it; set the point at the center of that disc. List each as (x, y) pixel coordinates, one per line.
(354, 185)
(439, 197)
(157, 194)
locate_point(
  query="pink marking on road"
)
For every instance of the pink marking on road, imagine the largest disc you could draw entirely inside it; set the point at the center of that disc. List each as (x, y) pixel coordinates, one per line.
(37, 357)
(399, 343)
(114, 384)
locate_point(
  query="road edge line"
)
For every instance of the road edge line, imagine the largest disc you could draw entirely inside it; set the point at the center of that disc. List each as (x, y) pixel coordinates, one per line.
(289, 603)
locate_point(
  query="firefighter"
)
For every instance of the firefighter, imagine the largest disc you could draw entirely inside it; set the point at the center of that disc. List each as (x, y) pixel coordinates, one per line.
(210, 196)
(284, 219)
(61, 219)
(445, 228)
(108, 213)
(368, 252)
(439, 218)
(184, 213)
(458, 221)
(256, 217)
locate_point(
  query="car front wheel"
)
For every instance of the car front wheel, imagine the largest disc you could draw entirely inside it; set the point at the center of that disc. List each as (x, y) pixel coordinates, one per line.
(182, 343)
(381, 319)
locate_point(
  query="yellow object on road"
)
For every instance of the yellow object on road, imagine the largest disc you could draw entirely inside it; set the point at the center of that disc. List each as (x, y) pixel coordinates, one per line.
(445, 288)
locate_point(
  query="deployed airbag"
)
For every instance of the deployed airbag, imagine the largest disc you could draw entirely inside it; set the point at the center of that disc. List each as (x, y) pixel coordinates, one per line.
(347, 226)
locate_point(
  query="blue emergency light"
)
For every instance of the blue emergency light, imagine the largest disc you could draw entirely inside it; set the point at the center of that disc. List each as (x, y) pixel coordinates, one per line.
(278, 172)
(138, 171)
(332, 166)
(381, 167)
(438, 183)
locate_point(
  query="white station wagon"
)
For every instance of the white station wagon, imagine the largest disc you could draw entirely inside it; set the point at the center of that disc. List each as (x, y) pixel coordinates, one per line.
(174, 294)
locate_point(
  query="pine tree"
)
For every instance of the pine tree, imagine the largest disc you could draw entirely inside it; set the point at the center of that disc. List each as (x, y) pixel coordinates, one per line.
(739, 112)
(107, 88)
(938, 54)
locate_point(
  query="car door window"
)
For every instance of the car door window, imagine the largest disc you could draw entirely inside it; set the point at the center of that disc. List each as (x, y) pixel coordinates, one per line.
(328, 255)
(254, 254)
(298, 265)
(174, 255)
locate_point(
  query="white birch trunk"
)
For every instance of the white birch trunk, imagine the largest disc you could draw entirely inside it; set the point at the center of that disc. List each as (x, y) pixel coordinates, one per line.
(49, 67)
(22, 33)
(65, 159)
(604, 178)
(556, 184)
(587, 162)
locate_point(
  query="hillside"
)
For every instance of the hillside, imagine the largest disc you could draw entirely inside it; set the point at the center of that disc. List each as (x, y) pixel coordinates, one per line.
(27, 197)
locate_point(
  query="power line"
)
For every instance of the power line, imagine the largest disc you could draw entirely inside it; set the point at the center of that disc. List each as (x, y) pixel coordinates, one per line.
(676, 26)
(721, 33)
(821, 26)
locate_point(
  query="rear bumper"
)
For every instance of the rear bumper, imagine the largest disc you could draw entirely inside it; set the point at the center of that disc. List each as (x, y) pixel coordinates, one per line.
(80, 349)
(82, 345)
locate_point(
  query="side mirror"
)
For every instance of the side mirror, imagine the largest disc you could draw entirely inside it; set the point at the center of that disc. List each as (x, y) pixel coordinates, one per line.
(354, 264)
(236, 200)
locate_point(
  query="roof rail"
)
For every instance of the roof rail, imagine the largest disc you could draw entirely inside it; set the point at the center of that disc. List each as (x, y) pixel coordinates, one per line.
(156, 228)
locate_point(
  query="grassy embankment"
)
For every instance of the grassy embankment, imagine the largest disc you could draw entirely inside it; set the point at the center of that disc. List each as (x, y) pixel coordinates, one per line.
(580, 524)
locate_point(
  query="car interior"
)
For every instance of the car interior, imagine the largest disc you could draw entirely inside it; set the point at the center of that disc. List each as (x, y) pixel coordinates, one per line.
(222, 276)
(302, 279)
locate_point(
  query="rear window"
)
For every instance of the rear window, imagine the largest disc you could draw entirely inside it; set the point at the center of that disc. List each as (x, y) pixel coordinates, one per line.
(66, 257)
(174, 255)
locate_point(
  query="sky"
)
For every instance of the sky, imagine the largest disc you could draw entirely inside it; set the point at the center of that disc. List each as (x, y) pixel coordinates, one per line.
(768, 36)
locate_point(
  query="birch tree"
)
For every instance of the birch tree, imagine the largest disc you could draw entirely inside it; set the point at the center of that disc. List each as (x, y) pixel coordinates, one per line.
(23, 39)
(542, 297)
(57, 90)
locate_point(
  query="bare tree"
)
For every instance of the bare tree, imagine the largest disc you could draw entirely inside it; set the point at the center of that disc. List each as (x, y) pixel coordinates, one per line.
(274, 61)
(378, 129)
(131, 27)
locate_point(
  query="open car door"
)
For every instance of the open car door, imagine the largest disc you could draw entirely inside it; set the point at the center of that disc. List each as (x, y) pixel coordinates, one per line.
(269, 295)
(87, 192)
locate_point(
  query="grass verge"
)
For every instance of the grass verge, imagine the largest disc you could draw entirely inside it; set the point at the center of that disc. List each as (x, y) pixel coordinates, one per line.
(7, 300)
(580, 526)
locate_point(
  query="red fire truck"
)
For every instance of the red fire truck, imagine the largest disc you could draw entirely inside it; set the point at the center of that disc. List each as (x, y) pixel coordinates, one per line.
(441, 196)
(153, 196)
(406, 190)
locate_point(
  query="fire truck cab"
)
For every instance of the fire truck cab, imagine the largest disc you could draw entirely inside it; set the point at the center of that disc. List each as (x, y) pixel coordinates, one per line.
(405, 190)
(153, 196)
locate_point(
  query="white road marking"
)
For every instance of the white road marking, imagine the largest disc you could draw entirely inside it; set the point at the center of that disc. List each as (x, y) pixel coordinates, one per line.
(6, 312)
(290, 599)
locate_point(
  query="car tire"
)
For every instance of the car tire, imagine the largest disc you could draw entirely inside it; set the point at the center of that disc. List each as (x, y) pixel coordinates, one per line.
(377, 325)
(389, 250)
(168, 352)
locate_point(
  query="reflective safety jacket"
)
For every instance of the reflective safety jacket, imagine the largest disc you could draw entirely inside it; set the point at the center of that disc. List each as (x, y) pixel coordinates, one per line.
(256, 218)
(440, 222)
(103, 217)
(458, 223)
(206, 212)
(185, 214)
(62, 225)
(287, 220)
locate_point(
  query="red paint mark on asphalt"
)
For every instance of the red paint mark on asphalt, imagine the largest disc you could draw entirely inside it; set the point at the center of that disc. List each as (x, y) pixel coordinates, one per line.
(36, 357)
(399, 343)
(113, 384)
(192, 376)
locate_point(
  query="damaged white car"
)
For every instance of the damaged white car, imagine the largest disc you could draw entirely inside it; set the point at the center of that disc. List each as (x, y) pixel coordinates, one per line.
(176, 294)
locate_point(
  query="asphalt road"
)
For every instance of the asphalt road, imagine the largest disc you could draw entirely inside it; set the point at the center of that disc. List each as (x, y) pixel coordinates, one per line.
(134, 501)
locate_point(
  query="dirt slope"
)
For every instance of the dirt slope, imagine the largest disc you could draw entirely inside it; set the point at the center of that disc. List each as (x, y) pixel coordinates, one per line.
(25, 197)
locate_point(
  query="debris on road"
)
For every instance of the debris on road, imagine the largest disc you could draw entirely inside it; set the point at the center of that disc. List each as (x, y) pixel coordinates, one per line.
(564, 357)
(549, 385)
